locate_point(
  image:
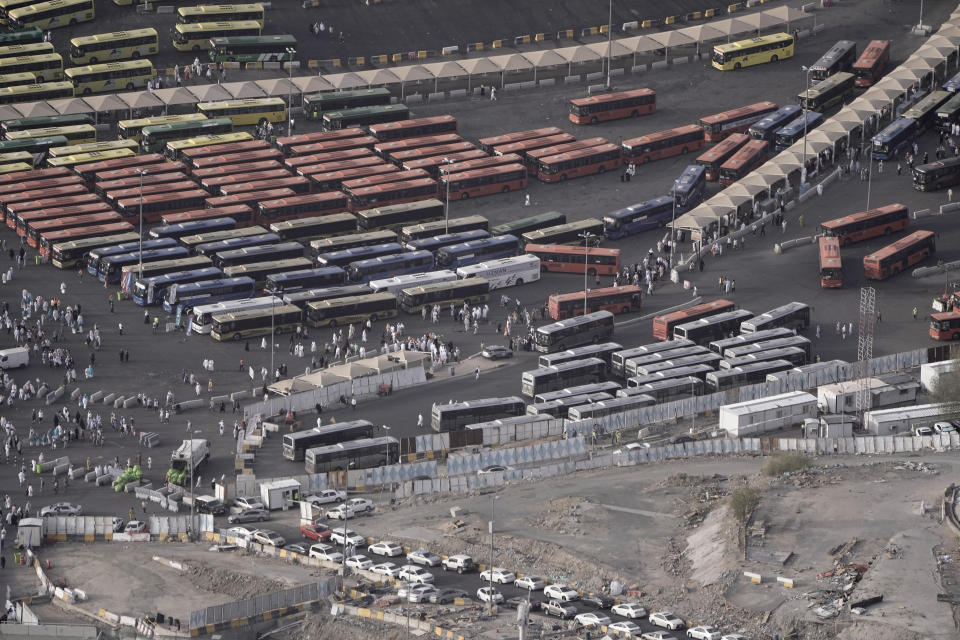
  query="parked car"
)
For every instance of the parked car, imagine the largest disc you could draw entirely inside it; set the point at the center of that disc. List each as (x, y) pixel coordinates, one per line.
(559, 609)
(657, 635)
(561, 592)
(297, 548)
(501, 576)
(346, 536)
(359, 561)
(447, 596)
(665, 619)
(341, 513)
(530, 583)
(421, 593)
(494, 468)
(496, 352)
(944, 427)
(118, 524)
(460, 563)
(598, 600)
(388, 549)
(516, 601)
(249, 515)
(135, 526)
(315, 531)
(360, 505)
(733, 636)
(626, 626)
(423, 557)
(630, 610)
(268, 537)
(248, 502)
(413, 573)
(704, 632)
(386, 569)
(244, 533)
(325, 552)
(326, 496)
(591, 619)
(922, 431)
(489, 594)
(61, 509)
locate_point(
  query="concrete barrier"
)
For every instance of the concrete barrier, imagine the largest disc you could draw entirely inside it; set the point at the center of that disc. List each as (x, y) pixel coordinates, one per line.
(189, 404)
(547, 82)
(216, 400)
(43, 390)
(104, 480)
(75, 393)
(512, 86)
(90, 476)
(571, 79)
(680, 60)
(616, 72)
(130, 402)
(786, 582)
(660, 64)
(780, 247)
(166, 8)
(109, 398)
(239, 395)
(118, 401)
(458, 93)
(627, 27)
(61, 469)
(449, 51)
(528, 84)
(639, 68)
(96, 396)
(54, 395)
(922, 213)
(77, 473)
(596, 75)
(413, 98)
(436, 96)
(755, 578)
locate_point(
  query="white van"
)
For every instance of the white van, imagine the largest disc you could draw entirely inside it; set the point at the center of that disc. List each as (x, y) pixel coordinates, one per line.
(14, 358)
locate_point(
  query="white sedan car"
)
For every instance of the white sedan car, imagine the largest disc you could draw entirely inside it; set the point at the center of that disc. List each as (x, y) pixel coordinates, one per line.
(626, 626)
(244, 533)
(530, 583)
(630, 610)
(561, 592)
(325, 552)
(657, 635)
(666, 620)
(386, 569)
(591, 619)
(326, 496)
(413, 573)
(488, 594)
(349, 536)
(360, 505)
(421, 593)
(388, 549)
(704, 632)
(501, 576)
(341, 512)
(359, 562)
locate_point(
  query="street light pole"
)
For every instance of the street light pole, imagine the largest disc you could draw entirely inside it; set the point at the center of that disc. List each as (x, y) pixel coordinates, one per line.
(141, 173)
(806, 86)
(493, 503)
(587, 237)
(386, 448)
(273, 335)
(673, 232)
(610, 38)
(292, 52)
(446, 206)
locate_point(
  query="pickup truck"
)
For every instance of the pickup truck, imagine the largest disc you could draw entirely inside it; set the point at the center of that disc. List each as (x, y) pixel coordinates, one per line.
(559, 609)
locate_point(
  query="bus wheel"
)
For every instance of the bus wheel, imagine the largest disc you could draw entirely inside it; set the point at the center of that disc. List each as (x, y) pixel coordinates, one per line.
(887, 231)
(196, 47)
(683, 150)
(236, 337)
(506, 189)
(563, 176)
(135, 54)
(736, 66)
(130, 86)
(73, 21)
(263, 121)
(593, 120)
(519, 282)
(87, 91)
(596, 339)
(543, 269)
(625, 310)
(278, 330)
(591, 271)
(635, 114)
(601, 169)
(93, 61)
(774, 58)
(464, 195)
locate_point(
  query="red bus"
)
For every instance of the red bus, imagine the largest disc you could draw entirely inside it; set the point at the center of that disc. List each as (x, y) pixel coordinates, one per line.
(55, 192)
(432, 165)
(399, 157)
(38, 227)
(131, 172)
(192, 153)
(564, 258)
(20, 222)
(36, 174)
(47, 240)
(158, 204)
(234, 158)
(327, 167)
(243, 215)
(89, 170)
(482, 182)
(332, 145)
(576, 164)
(228, 169)
(902, 254)
(284, 143)
(487, 144)
(480, 163)
(945, 325)
(712, 158)
(302, 206)
(867, 224)
(333, 179)
(872, 63)
(249, 198)
(532, 157)
(148, 180)
(613, 299)
(16, 209)
(382, 195)
(386, 148)
(13, 188)
(749, 157)
(831, 265)
(114, 196)
(298, 184)
(663, 324)
(213, 184)
(663, 144)
(613, 106)
(521, 147)
(321, 158)
(720, 125)
(383, 178)
(385, 131)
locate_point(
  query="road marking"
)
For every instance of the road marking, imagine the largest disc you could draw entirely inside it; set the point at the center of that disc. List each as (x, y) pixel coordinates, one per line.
(639, 512)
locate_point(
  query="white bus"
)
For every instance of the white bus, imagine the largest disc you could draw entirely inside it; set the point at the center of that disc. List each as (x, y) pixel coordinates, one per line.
(396, 284)
(203, 314)
(504, 272)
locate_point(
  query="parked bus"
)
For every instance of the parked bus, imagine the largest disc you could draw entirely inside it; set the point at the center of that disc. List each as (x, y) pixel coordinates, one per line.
(924, 110)
(667, 390)
(937, 175)
(794, 131)
(47, 68)
(474, 251)
(895, 138)
(333, 180)
(456, 292)
(631, 364)
(410, 128)
(285, 143)
(218, 145)
(394, 285)
(355, 454)
(749, 157)
(119, 45)
(202, 314)
(488, 144)
(574, 332)
(394, 217)
(66, 255)
(113, 195)
(274, 48)
(295, 444)
(793, 315)
(558, 408)
(582, 162)
(75, 133)
(605, 408)
(435, 243)
(364, 116)
(766, 128)
(569, 233)
(794, 355)
(746, 53)
(110, 76)
(712, 158)
(87, 158)
(619, 359)
(209, 249)
(521, 226)
(718, 126)
(383, 178)
(151, 290)
(297, 184)
(767, 345)
(316, 152)
(424, 230)
(261, 253)
(831, 265)
(240, 214)
(249, 198)
(182, 229)
(309, 229)
(95, 256)
(110, 266)
(570, 259)
(188, 295)
(154, 137)
(197, 239)
(352, 241)
(431, 165)
(343, 257)
(566, 374)
(17, 79)
(900, 255)
(385, 149)
(349, 309)
(20, 36)
(38, 228)
(246, 111)
(110, 169)
(504, 272)
(612, 106)
(624, 299)
(51, 15)
(400, 157)
(608, 387)
(387, 266)
(531, 157)
(35, 92)
(867, 224)
(663, 325)
(243, 325)
(133, 129)
(315, 104)
(392, 193)
(196, 36)
(304, 296)
(743, 375)
(260, 270)
(663, 144)
(455, 416)
(827, 93)
(945, 325)
(723, 345)
(948, 114)
(133, 272)
(713, 327)
(871, 64)
(290, 281)
(213, 184)
(88, 147)
(41, 122)
(687, 191)
(839, 57)
(604, 351)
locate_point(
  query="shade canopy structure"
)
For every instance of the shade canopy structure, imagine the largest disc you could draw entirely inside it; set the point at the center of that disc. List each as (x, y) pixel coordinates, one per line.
(616, 48)
(739, 188)
(842, 127)
(877, 92)
(848, 118)
(907, 73)
(763, 179)
(786, 15)
(731, 26)
(478, 66)
(730, 199)
(446, 69)
(70, 106)
(277, 86)
(312, 84)
(702, 33)
(942, 47)
(348, 80)
(510, 62)
(409, 358)
(899, 83)
(545, 58)
(290, 386)
(36, 109)
(670, 39)
(829, 134)
(7, 112)
(175, 95)
(641, 44)
(248, 89)
(378, 77)
(869, 102)
(352, 370)
(209, 92)
(760, 20)
(323, 378)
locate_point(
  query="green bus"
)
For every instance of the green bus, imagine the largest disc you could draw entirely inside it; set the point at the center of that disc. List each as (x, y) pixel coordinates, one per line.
(523, 225)
(33, 145)
(253, 48)
(154, 138)
(362, 116)
(314, 105)
(42, 122)
(22, 36)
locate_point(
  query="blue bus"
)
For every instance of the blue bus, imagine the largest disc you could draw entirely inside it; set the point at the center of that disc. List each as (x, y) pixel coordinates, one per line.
(688, 189)
(302, 297)
(182, 229)
(346, 256)
(789, 134)
(259, 253)
(952, 85)
(766, 127)
(96, 255)
(192, 294)
(110, 267)
(209, 249)
(435, 243)
(637, 218)
(894, 138)
(388, 266)
(150, 291)
(305, 279)
(474, 251)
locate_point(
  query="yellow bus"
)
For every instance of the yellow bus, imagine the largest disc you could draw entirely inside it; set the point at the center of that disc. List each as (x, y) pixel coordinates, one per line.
(47, 67)
(36, 92)
(27, 49)
(174, 147)
(75, 133)
(196, 35)
(89, 147)
(15, 166)
(119, 45)
(246, 111)
(13, 79)
(110, 76)
(6, 6)
(745, 53)
(16, 156)
(52, 14)
(221, 13)
(83, 158)
(133, 129)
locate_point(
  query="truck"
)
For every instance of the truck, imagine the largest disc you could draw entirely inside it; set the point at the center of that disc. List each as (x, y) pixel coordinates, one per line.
(186, 458)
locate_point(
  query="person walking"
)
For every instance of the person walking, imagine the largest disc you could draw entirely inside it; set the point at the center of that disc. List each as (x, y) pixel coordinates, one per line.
(476, 374)
(419, 421)
(915, 313)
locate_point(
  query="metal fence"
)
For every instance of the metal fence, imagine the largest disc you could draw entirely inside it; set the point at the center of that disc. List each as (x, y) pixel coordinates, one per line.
(259, 605)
